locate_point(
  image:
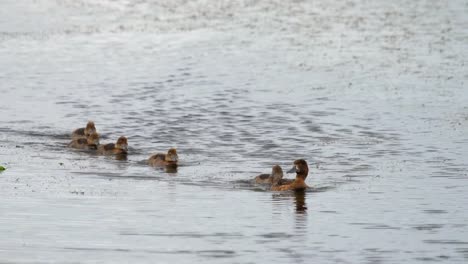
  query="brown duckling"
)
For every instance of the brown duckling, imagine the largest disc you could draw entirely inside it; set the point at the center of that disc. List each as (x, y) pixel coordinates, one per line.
(91, 142)
(275, 176)
(120, 147)
(161, 159)
(302, 170)
(84, 132)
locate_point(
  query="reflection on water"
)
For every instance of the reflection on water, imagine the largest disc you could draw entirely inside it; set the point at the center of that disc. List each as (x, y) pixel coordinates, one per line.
(371, 94)
(296, 200)
(300, 201)
(121, 156)
(170, 168)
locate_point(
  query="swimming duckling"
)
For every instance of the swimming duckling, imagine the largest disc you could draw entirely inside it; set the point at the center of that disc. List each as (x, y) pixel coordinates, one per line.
(275, 176)
(92, 142)
(121, 147)
(161, 159)
(302, 170)
(84, 132)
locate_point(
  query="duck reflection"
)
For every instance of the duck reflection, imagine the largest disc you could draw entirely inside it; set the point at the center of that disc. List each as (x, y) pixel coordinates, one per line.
(121, 156)
(300, 201)
(170, 168)
(298, 198)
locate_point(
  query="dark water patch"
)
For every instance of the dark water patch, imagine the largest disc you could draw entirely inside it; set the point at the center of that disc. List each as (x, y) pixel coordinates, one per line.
(361, 127)
(18, 122)
(373, 135)
(334, 251)
(99, 174)
(428, 226)
(379, 250)
(327, 139)
(131, 177)
(344, 130)
(353, 176)
(64, 102)
(276, 235)
(382, 226)
(187, 235)
(463, 251)
(322, 99)
(431, 259)
(445, 242)
(203, 253)
(459, 175)
(331, 124)
(97, 249)
(217, 253)
(362, 167)
(320, 188)
(36, 134)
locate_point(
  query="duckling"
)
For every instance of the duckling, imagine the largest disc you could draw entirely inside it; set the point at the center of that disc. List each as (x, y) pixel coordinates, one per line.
(92, 142)
(302, 170)
(84, 132)
(275, 176)
(121, 147)
(161, 159)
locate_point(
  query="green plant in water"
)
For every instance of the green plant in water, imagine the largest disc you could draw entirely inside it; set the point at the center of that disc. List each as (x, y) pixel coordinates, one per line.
(2, 168)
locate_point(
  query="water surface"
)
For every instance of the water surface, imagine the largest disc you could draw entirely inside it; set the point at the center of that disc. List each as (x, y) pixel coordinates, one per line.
(372, 94)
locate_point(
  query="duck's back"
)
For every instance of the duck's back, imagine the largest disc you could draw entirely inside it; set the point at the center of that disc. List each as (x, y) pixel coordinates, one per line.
(109, 146)
(157, 159)
(106, 148)
(78, 143)
(286, 181)
(78, 133)
(158, 156)
(295, 185)
(263, 178)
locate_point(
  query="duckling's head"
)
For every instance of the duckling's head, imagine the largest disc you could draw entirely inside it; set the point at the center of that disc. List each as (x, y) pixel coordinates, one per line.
(122, 143)
(301, 169)
(90, 128)
(93, 139)
(276, 174)
(172, 155)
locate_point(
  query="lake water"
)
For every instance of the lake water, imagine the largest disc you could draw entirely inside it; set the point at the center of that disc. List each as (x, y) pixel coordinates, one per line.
(373, 94)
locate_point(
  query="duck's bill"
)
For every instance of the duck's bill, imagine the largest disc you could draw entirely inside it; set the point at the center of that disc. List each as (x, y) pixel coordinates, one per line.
(292, 170)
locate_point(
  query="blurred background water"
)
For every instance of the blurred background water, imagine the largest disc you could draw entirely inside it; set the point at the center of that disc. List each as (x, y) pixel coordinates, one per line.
(371, 93)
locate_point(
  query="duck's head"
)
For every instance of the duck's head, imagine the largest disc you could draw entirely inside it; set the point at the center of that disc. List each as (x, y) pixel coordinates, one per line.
(171, 155)
(301, 169)
(276, 174)
(93, 139)
(90, 128)
(122, 143)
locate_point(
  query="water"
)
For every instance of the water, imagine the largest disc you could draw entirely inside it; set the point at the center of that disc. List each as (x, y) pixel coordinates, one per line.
(372, 94)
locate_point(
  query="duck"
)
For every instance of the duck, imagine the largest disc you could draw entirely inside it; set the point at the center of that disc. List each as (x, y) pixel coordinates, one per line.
(91, 142)
(120, 147)
(275, 176)
(84, 132)
(302, 170)
(161, 159)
